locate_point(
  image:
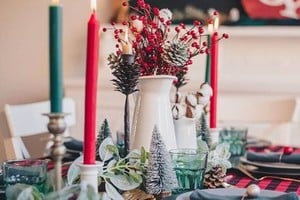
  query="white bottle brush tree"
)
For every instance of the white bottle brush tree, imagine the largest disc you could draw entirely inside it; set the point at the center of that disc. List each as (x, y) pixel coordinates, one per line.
(104, 132)
(160, 177)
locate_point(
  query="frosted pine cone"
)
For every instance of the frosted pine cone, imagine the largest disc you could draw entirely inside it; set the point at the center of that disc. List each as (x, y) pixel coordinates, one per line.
(214, 178)
(113, 60)
(176, 53)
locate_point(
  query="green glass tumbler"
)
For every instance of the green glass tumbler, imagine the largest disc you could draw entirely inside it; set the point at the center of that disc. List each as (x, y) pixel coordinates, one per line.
(190, 166)
(30, 172)
(236, 137)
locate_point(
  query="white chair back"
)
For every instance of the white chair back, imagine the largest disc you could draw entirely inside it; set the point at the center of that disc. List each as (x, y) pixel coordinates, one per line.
(266, 118)
(28, 119)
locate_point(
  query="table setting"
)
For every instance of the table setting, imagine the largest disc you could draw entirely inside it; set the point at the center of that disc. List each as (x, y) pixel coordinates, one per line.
(168, 149)
(239, 179)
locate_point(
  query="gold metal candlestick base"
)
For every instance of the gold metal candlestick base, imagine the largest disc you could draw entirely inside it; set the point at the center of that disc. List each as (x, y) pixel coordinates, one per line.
(57, 127)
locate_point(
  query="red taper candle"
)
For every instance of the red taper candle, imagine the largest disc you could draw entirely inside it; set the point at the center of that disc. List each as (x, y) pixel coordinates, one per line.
(214, 77)
(89, 148)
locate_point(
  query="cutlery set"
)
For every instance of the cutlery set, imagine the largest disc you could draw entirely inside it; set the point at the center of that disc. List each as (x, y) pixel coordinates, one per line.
(245, 170)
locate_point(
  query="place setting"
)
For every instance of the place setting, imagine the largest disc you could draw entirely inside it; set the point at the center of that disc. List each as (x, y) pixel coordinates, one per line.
(285, 162)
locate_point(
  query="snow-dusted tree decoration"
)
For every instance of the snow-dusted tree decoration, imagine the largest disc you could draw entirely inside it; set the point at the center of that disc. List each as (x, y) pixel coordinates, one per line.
(160, 176)
(104, 132)
(201, 126)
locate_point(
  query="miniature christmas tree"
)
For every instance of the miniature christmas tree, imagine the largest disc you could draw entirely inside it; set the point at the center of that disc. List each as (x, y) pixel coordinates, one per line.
(104, 132)
(126, 78)
(202, 129)
(201, 126)
(161, 177)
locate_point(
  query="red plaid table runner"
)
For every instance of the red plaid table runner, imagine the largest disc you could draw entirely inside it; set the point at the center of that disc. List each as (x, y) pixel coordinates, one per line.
(238, 179)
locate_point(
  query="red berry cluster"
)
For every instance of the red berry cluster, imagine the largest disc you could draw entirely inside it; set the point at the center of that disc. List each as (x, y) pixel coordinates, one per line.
(150, 39)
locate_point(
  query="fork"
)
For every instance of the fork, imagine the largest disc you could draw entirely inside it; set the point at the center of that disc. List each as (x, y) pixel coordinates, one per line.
(244, 171)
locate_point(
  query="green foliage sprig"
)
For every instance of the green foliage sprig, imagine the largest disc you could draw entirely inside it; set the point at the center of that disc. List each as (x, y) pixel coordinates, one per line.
(118, 174)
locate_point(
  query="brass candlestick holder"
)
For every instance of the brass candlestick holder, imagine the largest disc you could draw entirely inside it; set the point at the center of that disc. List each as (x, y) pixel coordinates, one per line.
(57, 127)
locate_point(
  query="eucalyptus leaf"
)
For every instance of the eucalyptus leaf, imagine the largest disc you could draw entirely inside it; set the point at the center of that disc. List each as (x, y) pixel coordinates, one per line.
(23, 192)
(112, 192)
(202, 145)
(136, 177)
(111, 163)
(26, 194)
(65, 194)
(144, 155)
(74, 171)
(124, 182)
(134, 154)
(112, 149)
(103, 152)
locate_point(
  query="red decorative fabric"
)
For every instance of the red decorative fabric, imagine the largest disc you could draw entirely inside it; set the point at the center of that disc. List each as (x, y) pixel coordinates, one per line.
(238, 179)
(272, 9)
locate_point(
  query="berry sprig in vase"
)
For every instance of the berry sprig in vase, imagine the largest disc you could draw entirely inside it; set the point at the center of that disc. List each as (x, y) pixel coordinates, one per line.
(161, 52)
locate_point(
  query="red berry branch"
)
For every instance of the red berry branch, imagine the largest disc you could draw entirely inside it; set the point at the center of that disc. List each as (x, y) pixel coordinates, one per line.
(155, 52)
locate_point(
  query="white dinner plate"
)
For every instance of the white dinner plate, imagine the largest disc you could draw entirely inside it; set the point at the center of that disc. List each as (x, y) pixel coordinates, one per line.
(257, 143)
(272, 165)
(230, 191)
(271, 172)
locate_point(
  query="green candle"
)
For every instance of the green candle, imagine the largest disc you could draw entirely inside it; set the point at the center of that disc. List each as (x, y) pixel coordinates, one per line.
(207, 68)
(55, 56)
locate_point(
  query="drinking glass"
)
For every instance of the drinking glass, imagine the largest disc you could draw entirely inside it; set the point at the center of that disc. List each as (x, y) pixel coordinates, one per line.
(190, 166)
(30, 172)
(236, 137)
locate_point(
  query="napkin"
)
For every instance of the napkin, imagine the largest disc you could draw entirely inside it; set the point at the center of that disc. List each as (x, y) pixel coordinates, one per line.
(203, 195)
(73, 144)
(273, 157)
(74, 149)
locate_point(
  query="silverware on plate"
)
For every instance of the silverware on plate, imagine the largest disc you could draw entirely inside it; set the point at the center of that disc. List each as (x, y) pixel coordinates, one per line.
(243, 169)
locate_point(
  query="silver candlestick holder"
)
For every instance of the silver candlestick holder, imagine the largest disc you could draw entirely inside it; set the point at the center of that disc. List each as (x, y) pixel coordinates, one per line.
(57, 127)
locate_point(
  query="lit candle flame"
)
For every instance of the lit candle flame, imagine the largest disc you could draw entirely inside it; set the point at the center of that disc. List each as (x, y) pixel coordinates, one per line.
(55, 2)
(93, 5)
(126, 35)
(216, 24)
(126, 45)
(210, 28)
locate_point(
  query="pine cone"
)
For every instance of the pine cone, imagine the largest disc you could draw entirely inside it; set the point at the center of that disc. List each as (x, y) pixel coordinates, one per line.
(176, 53)
(113, 60)
(137, 194)
(214, 178)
